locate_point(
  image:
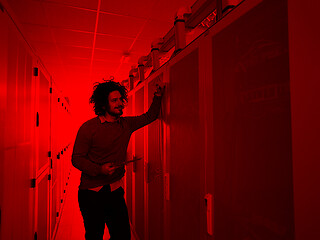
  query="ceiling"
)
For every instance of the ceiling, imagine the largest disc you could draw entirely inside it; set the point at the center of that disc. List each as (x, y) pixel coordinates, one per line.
(87, 39)
(83, 41)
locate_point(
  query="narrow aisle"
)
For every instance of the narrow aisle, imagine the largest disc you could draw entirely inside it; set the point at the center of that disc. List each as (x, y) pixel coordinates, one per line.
(71, 224)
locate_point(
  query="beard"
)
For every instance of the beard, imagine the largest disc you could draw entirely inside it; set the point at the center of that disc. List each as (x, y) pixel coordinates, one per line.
(117, 113)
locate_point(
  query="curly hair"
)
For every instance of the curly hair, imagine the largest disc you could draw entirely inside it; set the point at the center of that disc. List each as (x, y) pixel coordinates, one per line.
(101, 92)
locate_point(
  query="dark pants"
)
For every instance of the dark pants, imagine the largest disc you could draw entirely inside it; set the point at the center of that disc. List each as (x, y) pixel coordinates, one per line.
(104, 207)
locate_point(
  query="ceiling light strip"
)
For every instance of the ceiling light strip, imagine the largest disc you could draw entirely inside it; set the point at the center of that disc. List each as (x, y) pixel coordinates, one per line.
(94, 37)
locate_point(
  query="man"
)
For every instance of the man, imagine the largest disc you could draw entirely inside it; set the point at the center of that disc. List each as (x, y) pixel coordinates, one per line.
(100, 154)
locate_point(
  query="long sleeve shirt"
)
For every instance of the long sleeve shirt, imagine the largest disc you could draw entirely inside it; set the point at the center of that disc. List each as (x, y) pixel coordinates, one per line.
(99, 142)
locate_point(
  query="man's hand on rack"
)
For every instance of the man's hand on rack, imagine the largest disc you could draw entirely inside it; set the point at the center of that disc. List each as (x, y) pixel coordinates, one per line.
(160, 86)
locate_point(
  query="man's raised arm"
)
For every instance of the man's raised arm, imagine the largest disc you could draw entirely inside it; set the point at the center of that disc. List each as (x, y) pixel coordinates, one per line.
(153, 112)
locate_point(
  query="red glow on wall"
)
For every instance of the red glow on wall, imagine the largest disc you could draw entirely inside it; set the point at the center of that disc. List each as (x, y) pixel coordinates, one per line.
(234, 153)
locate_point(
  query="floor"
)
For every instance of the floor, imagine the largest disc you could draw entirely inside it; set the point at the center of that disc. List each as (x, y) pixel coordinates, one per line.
(71, 224)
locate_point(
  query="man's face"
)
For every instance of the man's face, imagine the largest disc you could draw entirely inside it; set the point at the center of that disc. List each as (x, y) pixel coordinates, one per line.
(115, 105)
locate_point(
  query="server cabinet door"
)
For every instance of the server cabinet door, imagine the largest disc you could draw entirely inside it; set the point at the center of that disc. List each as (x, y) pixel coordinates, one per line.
(139, 168)
(252, 126)
(16, 146)
(129, 167)
(186, 149)
(43, 120)
(155, 175)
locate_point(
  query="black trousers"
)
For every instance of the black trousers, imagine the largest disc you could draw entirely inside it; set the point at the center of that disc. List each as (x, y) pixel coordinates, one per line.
(104, 207)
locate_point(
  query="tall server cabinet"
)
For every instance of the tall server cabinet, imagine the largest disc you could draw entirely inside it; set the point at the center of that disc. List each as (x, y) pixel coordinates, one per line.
(218, 161)
(33, 181)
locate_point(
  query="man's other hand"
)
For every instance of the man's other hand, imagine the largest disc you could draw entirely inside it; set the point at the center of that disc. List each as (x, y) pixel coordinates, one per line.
(108, 168)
